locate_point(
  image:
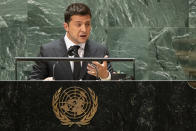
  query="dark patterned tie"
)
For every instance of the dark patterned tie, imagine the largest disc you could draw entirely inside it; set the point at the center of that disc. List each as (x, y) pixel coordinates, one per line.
(77, 65)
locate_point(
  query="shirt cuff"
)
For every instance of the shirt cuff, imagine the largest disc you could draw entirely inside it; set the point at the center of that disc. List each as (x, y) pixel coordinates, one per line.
(106, 79)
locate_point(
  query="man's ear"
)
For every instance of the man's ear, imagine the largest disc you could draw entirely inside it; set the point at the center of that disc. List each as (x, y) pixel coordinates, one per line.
(66, 26)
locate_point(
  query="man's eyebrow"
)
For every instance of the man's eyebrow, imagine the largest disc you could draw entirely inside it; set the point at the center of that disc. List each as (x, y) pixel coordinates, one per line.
(82, 22)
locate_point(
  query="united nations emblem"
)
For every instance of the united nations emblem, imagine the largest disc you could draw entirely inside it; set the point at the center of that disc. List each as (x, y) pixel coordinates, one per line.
(74, 105)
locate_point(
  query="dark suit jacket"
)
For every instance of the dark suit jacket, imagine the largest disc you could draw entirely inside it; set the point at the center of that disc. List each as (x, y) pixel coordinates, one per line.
(62, 70)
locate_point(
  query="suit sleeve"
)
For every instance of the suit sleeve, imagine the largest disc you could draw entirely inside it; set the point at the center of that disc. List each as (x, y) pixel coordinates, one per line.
(40, 69)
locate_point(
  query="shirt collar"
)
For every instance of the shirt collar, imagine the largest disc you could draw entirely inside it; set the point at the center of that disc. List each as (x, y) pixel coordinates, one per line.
(69, 43)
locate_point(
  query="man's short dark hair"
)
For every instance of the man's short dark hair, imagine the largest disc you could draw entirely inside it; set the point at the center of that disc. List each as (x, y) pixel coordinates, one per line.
(76, 9)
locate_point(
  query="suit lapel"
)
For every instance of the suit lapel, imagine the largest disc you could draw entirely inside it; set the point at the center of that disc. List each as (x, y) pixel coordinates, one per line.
(65, 65)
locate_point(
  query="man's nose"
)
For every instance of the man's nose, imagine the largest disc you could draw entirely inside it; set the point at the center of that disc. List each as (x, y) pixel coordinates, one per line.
(83, 28)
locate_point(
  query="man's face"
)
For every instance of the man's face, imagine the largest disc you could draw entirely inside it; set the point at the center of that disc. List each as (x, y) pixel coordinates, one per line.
(78, 29)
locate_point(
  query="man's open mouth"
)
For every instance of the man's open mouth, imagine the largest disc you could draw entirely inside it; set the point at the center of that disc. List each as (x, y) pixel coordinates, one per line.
(83, 36)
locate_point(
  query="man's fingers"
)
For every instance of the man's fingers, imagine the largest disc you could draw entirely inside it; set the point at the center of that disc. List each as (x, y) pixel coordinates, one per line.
(92, 70)
(105, 62)
(90, 67)
(101, 68)
(96, 63)
(106, 56)
(92, 73)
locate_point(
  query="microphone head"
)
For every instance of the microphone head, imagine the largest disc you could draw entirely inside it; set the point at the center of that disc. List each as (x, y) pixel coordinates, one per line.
(73, 50)
(70, 51)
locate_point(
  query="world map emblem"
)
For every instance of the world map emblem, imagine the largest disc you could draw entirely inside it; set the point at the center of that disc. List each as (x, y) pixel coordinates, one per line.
(74, 105)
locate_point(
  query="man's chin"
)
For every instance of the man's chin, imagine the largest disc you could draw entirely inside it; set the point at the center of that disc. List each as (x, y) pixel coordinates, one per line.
(83, 40)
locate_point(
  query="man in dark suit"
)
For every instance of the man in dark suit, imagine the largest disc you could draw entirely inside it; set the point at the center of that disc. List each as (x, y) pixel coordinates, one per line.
(75, 43)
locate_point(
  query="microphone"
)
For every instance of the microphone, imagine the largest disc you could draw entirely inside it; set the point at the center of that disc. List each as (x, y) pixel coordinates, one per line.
(54, 66)
(53, 69)
(72, 51)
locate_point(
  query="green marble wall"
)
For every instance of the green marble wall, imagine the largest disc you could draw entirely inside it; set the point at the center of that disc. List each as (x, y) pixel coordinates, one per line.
(160, 34)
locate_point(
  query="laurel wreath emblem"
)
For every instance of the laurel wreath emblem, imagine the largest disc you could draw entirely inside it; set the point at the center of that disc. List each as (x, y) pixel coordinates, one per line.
(68, 122)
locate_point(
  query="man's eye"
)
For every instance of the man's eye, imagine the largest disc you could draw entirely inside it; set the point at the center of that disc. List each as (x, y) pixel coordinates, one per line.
(78, 25)
(87, 24)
